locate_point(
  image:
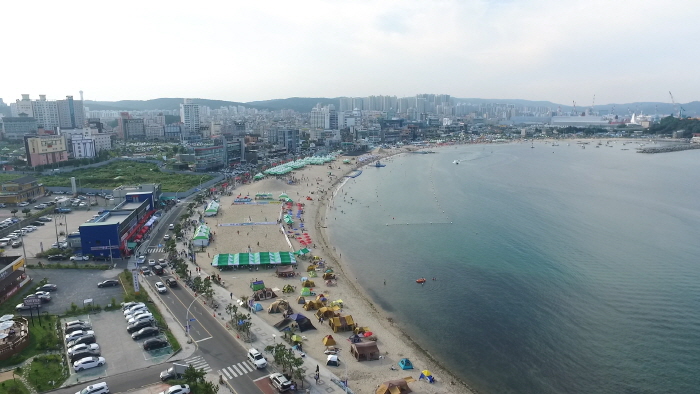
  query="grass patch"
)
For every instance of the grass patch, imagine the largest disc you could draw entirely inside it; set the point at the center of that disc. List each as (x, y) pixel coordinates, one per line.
(127, 280)
(42, 338)
(126, 172)
(13, 386)
(47, 372)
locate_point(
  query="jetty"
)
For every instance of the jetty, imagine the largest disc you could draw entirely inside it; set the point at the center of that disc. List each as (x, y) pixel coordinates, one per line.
(670, 148)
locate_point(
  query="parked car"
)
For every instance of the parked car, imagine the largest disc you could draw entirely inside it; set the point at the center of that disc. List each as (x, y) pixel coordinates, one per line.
(145, 333)
(38, 223)
(57, 257)
(77, 327)
(21, 307)
(44, 219)
(171, 282)
(131, 328)
(17, 244)
(47, 287)
(280, 382)
(83, 347)
(108, 283)
(78, 322)
(84, 339)
(44, 296)
(130, 310)
(83, 354)
(161, 287)
(2, 205)
(40, 206)
(77, 334)
(88, 362)
(145, 316)
(133, 313)
(127, 305)
(97, 388)
(155, 343)
(23, 204)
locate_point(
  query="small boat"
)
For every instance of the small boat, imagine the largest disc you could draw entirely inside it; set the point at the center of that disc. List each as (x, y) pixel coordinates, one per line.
(455, 162)
(421, 280)
(378, 164)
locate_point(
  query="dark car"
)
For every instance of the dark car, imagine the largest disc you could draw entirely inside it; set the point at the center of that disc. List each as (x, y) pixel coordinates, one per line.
(57, 257)
(154, 343)
(101, 258)
(171, 282)
(85, 353)
(47, 287)
(87, 339)
(78, 327)
(145, 333)
(133, 327)
(108, 283)
(38, 223)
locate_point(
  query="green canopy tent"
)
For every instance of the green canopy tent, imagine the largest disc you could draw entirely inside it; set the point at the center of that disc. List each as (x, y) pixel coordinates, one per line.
(283, 196)
(246, 259)
(305, 291)
(201, 236)
(212, 209)
(301, 252)
(259, 175)
(288, 219)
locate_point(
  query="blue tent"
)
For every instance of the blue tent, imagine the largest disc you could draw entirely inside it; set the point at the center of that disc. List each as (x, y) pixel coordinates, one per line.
(257, 307)
(405, 363)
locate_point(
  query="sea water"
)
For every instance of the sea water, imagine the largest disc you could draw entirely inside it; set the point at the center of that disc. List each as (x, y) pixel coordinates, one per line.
(558, 269)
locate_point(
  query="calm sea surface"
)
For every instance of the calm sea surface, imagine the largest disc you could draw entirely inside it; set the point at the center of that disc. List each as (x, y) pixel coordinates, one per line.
(559, 269)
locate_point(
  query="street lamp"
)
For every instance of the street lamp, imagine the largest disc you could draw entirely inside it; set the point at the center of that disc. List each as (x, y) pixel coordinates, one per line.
(187, 322)
(200, 181)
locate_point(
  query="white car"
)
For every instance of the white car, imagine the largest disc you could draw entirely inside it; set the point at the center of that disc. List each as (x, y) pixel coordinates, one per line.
(135, 312)
(23, 204)
(177, 389)
(166, 237)
(255, 357)
(151, 262)
(161, 287)
(88, 362)
(78, 257)
(147, 316)
(83, 347)
(77, 334)
(130, 310)
(28, 229)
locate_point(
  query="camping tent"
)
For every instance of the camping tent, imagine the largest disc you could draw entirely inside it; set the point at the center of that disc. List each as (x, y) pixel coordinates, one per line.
(326, 312)
(332, 360)
(328, 340)
(396, 386)
(405, 363)
(312, 305)
(264, 294)
(342, 323)
(278, 306)
(365, 351)
(257, 307)
(308, 283)
(305, 291)
(302, 322)
(301, 300)
(257, 285)
(284, 271)
(427, 375)
(354, 338)
(201, 236)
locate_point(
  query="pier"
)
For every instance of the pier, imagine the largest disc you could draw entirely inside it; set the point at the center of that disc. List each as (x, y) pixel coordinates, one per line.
(671, 148)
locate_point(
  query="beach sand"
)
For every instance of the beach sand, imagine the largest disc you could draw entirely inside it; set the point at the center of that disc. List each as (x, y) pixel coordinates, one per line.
(315, 182)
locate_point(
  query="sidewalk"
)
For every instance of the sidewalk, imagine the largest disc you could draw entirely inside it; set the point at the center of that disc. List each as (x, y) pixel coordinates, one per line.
(266, 335)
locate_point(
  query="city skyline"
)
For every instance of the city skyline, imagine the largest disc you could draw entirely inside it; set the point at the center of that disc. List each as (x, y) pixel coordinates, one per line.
(533, 50)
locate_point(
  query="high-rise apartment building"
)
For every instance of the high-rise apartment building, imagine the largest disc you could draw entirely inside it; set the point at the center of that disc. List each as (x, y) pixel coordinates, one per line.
(46, 113)
(15, 128)
(189, 115)
(23, 106)
(134, 129)
(71, 114)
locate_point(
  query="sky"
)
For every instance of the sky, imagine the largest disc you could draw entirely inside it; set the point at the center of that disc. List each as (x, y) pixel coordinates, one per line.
(561, 51)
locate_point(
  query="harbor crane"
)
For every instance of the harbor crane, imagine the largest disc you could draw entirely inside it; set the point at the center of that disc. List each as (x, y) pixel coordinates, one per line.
(675, 106)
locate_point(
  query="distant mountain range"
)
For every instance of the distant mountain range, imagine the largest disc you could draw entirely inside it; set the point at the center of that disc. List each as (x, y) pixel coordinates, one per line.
(305, 104)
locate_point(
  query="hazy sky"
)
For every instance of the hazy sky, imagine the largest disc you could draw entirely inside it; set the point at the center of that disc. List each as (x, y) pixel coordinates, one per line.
(621, 51)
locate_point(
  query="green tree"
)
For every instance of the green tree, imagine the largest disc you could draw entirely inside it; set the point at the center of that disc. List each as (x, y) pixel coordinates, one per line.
(193, 375)
(207, 289)
(14, 212)
(26, 211)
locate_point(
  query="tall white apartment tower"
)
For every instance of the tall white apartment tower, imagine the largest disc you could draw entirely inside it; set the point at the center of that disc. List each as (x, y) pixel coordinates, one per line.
(189, 116)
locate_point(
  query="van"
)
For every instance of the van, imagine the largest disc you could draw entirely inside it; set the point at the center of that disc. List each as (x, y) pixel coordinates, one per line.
(97, 388)
(5, 241)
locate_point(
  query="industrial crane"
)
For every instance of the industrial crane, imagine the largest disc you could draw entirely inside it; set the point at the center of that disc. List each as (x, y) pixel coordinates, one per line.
(674, 103)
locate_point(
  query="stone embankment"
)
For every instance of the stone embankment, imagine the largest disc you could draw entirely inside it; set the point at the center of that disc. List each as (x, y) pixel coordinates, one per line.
(670, 148)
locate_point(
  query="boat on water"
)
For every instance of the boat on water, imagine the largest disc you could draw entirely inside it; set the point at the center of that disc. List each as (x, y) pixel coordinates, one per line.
(378, 164)
(455, 162)
(420, 280)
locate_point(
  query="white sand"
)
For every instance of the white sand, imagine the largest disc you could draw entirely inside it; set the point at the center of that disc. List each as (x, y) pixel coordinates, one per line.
(392, 342)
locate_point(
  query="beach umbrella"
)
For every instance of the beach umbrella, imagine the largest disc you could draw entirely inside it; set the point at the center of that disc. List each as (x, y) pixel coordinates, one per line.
(3, 335)
(284, 195)
(7, 317)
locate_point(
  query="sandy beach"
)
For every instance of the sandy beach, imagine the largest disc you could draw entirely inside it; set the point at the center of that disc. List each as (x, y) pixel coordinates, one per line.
(317, 182)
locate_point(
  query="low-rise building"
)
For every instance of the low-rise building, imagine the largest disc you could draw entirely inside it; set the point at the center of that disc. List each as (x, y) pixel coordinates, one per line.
(20, 189)
(45, 149)
(15, 128)
(12, 276)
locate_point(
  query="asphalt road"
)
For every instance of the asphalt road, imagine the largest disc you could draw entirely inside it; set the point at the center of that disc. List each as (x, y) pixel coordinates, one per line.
(215, 344)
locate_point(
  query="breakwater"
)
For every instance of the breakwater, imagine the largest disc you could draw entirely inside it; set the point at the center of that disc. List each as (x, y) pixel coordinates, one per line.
(670, 148)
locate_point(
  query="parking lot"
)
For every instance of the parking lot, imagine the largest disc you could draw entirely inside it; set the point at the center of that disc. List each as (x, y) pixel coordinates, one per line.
(45, 236)
(121, 353)
(76, 286)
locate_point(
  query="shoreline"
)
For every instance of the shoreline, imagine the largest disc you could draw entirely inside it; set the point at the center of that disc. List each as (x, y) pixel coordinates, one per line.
(321, 226)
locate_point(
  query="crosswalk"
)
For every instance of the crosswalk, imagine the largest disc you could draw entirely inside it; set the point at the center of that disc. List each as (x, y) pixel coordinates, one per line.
(156, 250)
(198, 362)
(236, 370)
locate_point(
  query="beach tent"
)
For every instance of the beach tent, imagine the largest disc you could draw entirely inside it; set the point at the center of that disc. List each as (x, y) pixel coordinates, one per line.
(284, 271)
(312, 305)
(259, 175)
(302, 322)
(312, 274)
(288, 219)
(283, 196)
(201, 236)
(328, 275)
(396, 386)
(332, 360)
(282, 324)
(405, 363)
(301, 300)
(326, 312)
(302, 251)
(365, 351)
(328, 340)
(425, 374)
(212, 209)
(278, 306)
(309, 283)
(296, 338)
(305, 291)
(311, 267)
(257, 307)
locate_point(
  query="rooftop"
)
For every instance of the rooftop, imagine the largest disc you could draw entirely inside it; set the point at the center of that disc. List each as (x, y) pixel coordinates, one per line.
(23, 180)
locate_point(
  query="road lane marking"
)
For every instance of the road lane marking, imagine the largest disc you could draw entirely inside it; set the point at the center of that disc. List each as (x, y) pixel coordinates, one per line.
(245, 364)
(234, 366)
(230, 369)
(227, 376)
(203, 339)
